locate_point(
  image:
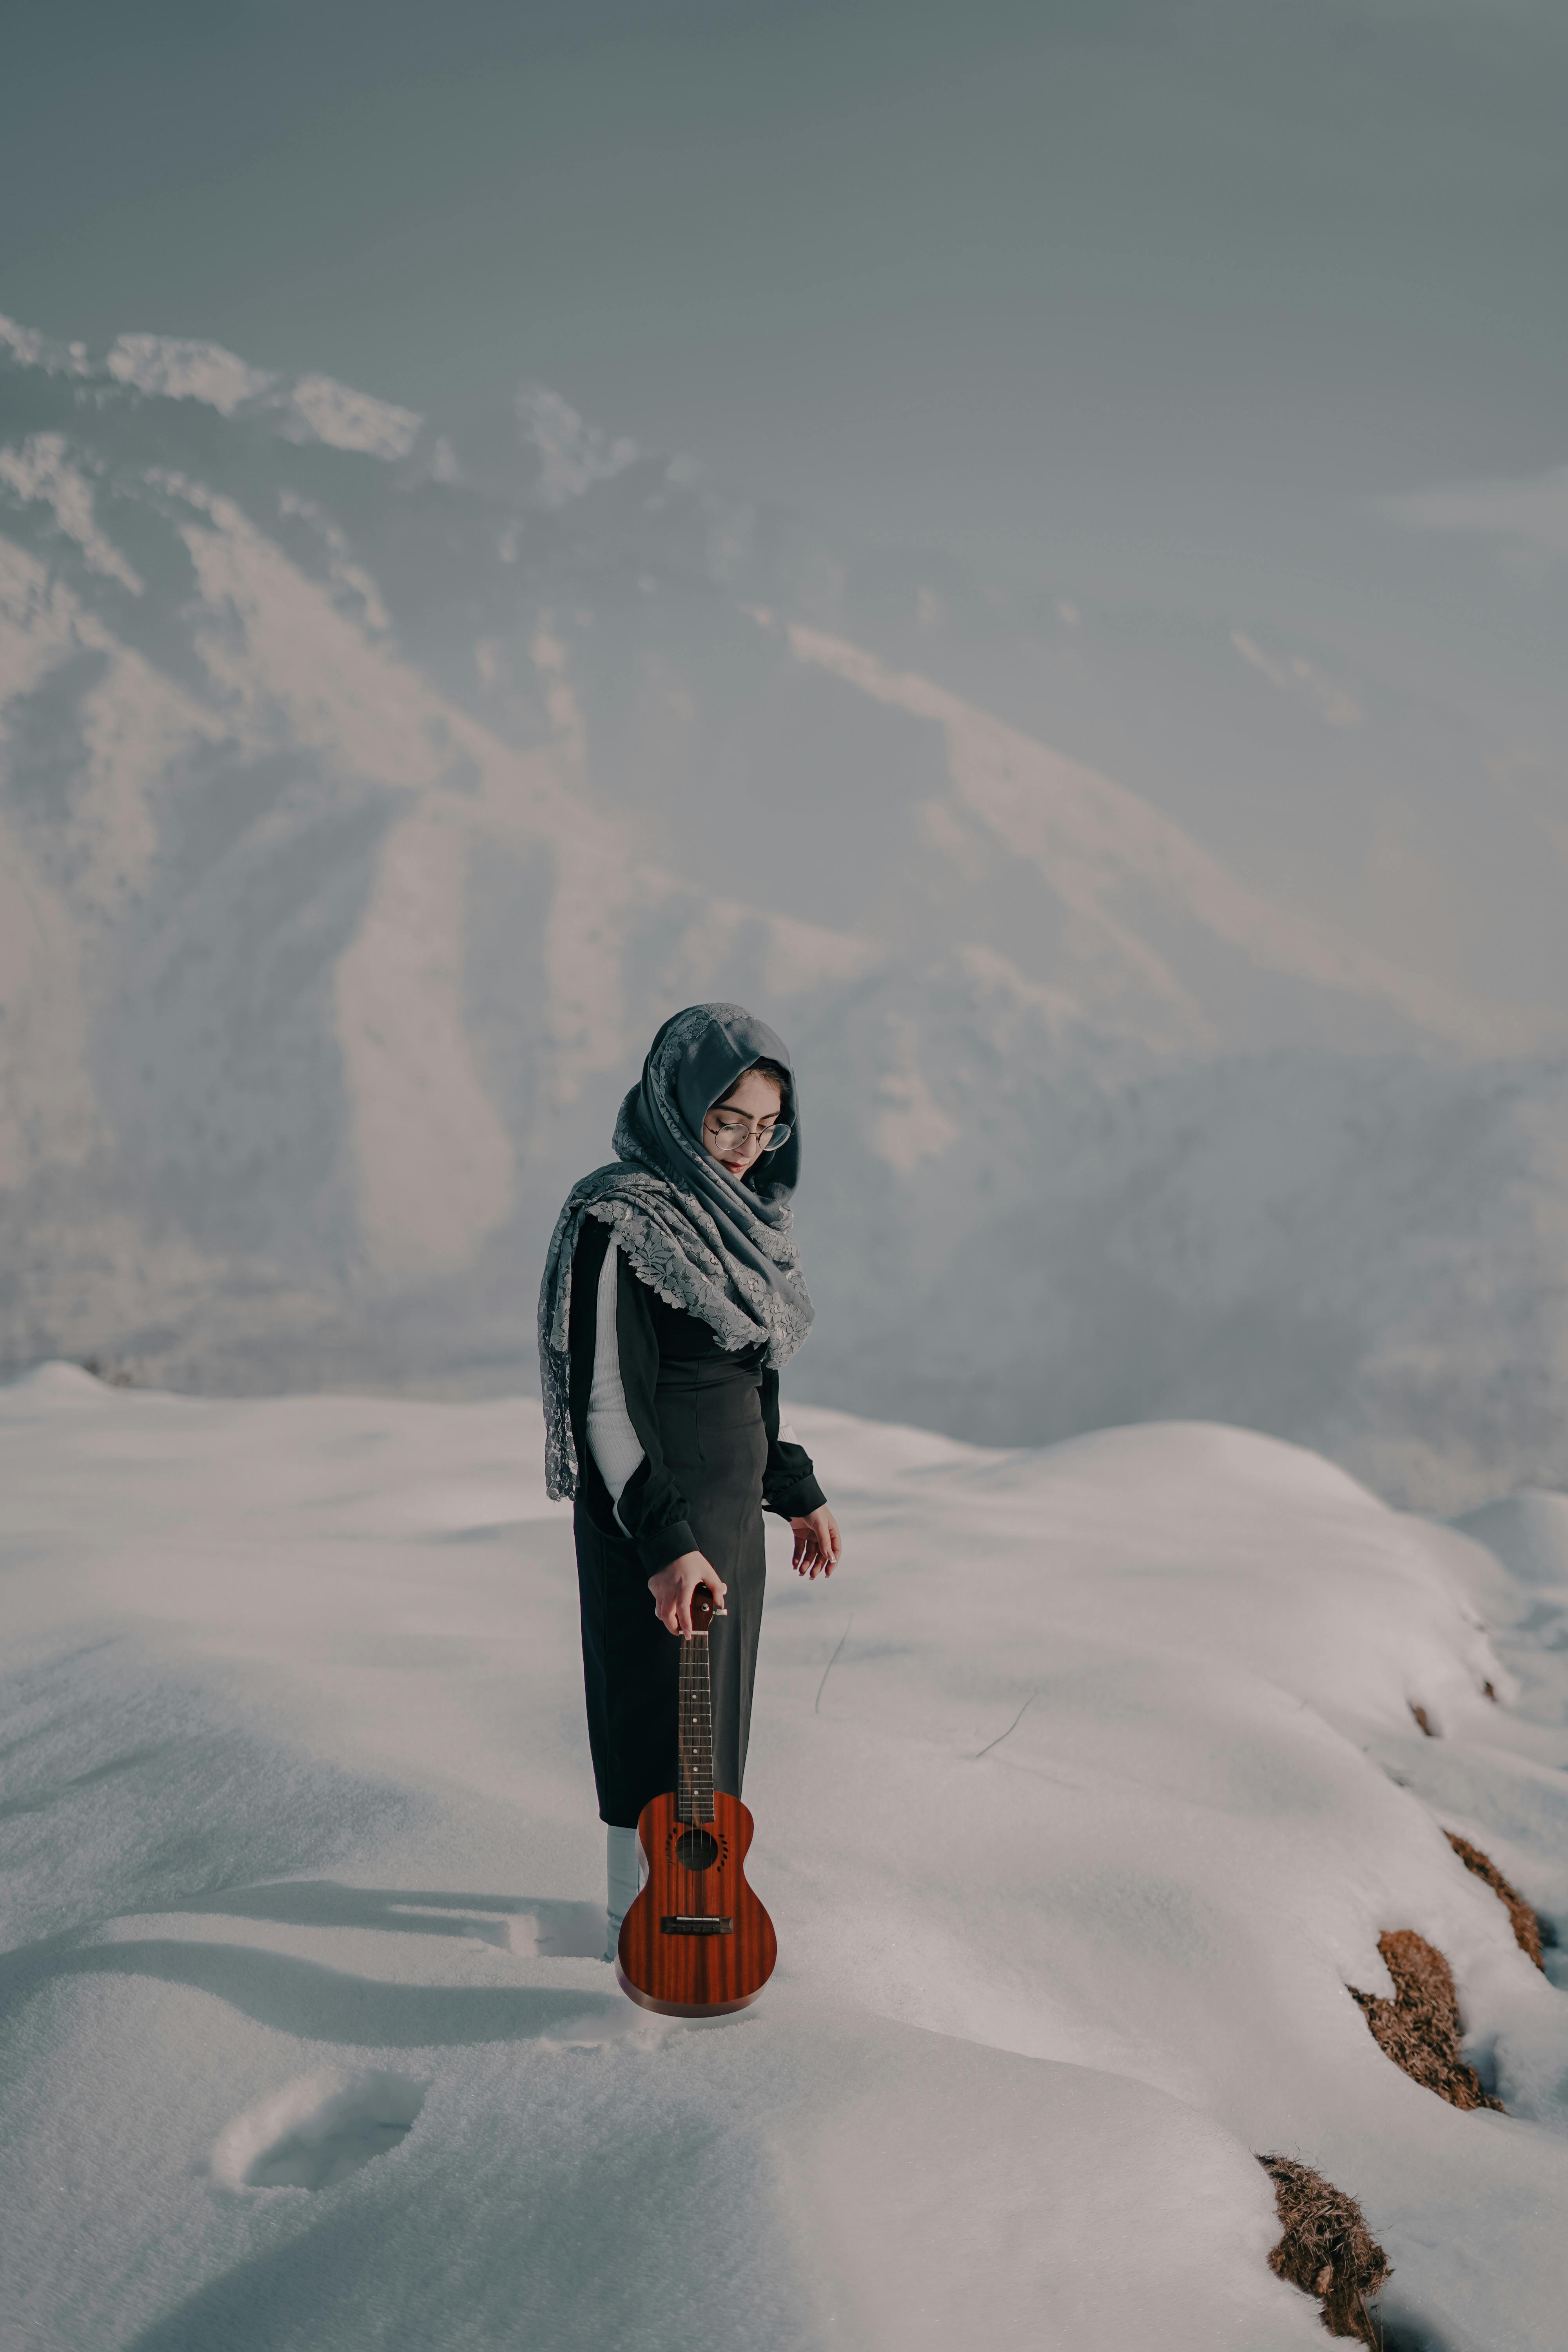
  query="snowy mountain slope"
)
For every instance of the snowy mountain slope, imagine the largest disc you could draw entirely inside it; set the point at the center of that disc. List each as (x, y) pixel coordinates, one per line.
(368, 792)
(1099, 844)
(1369, 1253)
(1404, 784)
(285, 658)
(1082, 1794)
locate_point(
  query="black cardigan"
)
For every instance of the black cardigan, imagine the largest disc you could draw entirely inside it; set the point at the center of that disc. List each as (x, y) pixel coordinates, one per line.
(652, 1508)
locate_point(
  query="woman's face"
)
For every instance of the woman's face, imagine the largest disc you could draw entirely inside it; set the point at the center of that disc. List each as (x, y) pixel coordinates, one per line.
(736, 1129)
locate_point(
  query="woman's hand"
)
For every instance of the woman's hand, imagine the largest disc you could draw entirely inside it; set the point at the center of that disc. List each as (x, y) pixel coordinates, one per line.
(817, 1543)
(674, 1585)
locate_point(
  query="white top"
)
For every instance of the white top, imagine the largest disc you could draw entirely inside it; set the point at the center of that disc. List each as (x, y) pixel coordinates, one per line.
(612, 1442)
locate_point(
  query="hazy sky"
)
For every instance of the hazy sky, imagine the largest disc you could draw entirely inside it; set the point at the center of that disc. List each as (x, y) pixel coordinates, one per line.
(1130, 295)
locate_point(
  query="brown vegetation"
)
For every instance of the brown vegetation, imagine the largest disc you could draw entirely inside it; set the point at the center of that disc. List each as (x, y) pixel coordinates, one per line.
(1419, 2030)
(1326, 2248)
(1526, 1926)
(1420, 1715)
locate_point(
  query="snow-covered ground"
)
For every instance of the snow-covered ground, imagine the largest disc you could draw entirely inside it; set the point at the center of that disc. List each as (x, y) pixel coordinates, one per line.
(1081, 1794)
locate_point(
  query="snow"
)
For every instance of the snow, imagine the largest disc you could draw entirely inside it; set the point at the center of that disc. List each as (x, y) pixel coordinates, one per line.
(1336, 705)
(1092, 835)
(346, 419)
(173, 368)
(314, 2132)
(1081, 1793)
(315, 407)
(31, 348)
(413, 1076)
(1529, 1531)
(1532, 510)
(909, 1124)
(572, 454)
(40, 470)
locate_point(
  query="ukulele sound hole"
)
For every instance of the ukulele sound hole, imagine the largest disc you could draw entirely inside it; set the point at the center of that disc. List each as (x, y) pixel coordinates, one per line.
(695, 1850)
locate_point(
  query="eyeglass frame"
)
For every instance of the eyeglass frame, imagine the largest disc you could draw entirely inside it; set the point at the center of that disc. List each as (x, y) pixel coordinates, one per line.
(733, 1125)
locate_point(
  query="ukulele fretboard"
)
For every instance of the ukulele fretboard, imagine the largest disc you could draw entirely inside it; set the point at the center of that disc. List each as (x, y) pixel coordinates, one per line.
(694, 1797)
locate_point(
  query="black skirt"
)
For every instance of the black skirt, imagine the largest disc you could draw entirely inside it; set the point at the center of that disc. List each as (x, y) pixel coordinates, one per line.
(711, 1424)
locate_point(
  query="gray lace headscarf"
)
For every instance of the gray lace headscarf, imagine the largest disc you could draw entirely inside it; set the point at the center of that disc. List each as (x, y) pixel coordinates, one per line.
(699, 1236)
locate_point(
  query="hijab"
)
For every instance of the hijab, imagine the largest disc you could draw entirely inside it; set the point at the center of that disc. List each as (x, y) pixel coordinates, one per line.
(719, 1246)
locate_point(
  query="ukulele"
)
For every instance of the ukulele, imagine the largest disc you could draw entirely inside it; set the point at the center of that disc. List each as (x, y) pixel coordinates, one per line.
(696, 1942)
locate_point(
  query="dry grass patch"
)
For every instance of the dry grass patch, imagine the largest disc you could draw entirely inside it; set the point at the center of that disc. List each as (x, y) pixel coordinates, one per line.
(1327, 2249)
(1419, 2030)
(1526, 1926)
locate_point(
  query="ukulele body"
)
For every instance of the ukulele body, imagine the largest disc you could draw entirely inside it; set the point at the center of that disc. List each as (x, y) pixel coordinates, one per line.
(696, 1942)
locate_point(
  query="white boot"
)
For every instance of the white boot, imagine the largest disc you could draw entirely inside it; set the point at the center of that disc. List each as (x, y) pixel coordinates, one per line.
(623, 1875)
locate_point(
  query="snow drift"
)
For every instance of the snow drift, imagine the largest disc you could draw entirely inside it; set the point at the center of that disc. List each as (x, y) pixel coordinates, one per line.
(1083, 1794)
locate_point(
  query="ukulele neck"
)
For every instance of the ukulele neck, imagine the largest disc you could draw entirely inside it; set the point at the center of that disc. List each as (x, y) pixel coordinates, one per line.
(694, 1794)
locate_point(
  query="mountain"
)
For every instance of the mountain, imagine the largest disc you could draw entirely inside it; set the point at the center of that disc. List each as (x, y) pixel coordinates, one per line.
(369, 789)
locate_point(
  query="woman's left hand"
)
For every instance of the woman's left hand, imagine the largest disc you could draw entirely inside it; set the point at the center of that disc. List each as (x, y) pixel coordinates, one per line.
(817, 1543)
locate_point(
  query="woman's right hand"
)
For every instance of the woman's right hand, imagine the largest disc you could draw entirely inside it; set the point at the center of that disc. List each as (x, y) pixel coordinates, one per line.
(674, 1585)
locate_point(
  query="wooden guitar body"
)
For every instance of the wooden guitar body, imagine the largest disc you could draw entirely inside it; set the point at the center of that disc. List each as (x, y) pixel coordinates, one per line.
(696, 1942)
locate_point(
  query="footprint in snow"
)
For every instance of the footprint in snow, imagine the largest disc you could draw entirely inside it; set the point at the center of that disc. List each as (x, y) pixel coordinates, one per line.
(316, 2130)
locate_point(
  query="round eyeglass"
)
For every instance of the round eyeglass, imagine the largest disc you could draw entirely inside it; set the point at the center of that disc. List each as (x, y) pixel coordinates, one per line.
(738, 1130)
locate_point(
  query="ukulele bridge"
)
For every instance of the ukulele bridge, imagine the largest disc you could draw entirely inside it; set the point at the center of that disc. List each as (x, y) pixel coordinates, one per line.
(683, 1925)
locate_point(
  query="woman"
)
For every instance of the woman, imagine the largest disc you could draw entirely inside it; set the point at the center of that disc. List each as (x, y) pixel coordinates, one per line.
(672, 1295)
